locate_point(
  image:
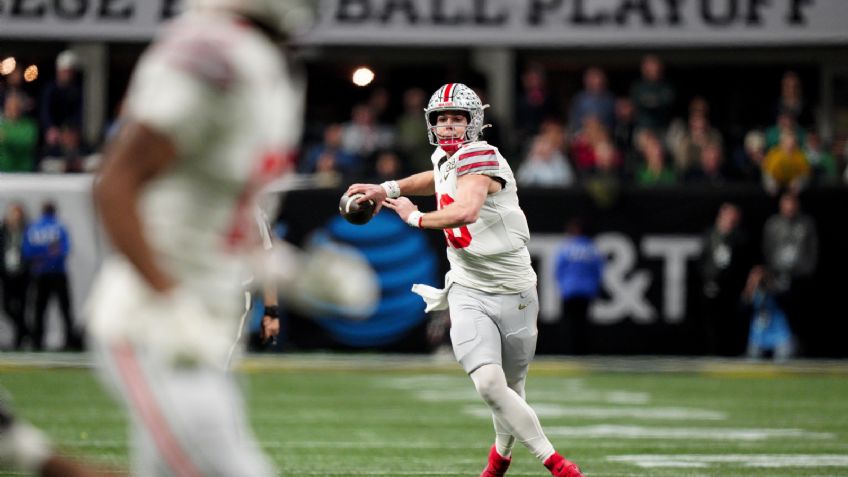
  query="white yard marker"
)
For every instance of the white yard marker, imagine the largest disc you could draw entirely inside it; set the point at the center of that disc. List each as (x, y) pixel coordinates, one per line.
(695, 433)
(605, 412)
(437, 388)
(744, 460)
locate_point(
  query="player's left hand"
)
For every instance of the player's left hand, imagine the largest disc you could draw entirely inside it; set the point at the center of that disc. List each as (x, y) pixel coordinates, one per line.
(402, 206)
(270, 328)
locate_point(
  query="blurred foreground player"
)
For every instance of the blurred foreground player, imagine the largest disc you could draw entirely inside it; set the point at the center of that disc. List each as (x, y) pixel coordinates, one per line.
(211, 111)
(491, 287)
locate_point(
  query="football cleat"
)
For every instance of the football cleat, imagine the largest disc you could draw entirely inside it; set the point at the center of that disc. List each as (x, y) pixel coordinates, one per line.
(562, 467)
(497, 465)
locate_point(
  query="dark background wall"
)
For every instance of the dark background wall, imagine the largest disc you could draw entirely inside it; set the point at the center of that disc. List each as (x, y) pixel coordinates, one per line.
(636, 214)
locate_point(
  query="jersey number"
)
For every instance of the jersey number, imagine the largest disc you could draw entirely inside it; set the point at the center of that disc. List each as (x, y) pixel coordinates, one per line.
(459, 237)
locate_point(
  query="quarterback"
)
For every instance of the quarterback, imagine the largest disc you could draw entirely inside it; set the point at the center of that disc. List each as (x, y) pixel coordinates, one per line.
(491, 287)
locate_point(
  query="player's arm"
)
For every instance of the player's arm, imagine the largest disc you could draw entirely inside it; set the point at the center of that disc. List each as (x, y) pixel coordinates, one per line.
(423, 183)
(271, 319)
(471, 193)
(138, 155)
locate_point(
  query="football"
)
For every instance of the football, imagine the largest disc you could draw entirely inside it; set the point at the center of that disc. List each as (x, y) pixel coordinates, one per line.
(356, 213)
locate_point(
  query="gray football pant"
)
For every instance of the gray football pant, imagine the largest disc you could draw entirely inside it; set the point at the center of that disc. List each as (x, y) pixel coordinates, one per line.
(494, 329)
(185, 422)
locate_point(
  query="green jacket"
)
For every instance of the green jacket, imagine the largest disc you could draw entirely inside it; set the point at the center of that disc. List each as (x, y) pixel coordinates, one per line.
(18, 139)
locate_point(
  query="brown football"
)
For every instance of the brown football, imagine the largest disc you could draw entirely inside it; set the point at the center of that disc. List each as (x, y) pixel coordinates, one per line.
(353, 212)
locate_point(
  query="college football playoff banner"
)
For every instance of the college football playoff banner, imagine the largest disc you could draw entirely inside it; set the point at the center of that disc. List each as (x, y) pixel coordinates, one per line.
(538, 23)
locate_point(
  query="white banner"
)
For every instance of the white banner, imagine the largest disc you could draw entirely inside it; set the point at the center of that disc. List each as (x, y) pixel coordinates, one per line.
(524, 23)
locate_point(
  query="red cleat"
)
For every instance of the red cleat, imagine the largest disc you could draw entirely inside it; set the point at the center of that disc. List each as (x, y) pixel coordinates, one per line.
(562, 467)
(497, 466)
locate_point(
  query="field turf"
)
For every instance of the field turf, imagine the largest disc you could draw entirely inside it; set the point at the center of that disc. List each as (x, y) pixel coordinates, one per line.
(363, 415)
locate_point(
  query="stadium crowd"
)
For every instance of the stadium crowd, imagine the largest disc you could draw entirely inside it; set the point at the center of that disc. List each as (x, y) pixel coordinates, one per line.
(604, 137)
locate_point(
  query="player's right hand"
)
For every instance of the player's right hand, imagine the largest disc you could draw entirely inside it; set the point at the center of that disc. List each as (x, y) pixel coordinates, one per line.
(373, 192)
(270, 328)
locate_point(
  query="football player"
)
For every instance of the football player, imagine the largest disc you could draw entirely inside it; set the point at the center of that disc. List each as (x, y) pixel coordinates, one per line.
(212, 111)
(491, 287)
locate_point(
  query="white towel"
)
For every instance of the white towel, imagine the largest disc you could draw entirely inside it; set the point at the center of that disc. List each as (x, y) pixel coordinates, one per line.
(435, 298)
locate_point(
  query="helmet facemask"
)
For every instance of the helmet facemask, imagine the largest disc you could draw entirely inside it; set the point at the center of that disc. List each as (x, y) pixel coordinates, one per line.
(454, 98)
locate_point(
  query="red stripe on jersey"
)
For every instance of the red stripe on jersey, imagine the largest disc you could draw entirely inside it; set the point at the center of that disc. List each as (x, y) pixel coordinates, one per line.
(448, 90)
(475, 153)
(477, 165)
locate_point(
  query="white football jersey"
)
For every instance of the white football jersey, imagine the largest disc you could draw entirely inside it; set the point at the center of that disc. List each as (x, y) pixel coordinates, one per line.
(490, 254)
(222, 92)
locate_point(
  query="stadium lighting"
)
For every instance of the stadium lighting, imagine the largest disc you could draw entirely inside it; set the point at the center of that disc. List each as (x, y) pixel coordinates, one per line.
(363, 76)
(31, 73)
(8, 65)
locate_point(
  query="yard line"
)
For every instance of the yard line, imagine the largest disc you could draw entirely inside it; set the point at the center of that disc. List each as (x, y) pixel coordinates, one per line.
(608, 412)
(435, 388)
(745, 460)
(704, 433)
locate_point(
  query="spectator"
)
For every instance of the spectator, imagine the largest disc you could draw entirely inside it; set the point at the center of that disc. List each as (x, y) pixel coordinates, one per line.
(792, 101)
(709, 170)
(46, 246)
(545, 166)
(326, 172)
(604, 181)
(687, 141)
(652, 96)
(14, 270)
(387, 166)
(410, 140)
(584, 146)
(378, 103)
(579, 271)
(593, 100)
(770, 331)
(724, 262)
(786, 124)
(62, 100)
(15, 85)
(535, 104)
(329, 155)
(555, 132)
(748, 160)
(790, 250)
(821, 161)
(70, 154)
(654, 169)
(624, 134)
(362, 136)
(785, 166)
(18, 137)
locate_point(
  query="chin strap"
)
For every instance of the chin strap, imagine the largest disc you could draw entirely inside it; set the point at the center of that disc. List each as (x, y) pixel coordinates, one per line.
(450, 146)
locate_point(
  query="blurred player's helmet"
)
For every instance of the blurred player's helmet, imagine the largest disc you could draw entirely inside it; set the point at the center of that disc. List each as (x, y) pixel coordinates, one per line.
(285, 17)
(455, 97)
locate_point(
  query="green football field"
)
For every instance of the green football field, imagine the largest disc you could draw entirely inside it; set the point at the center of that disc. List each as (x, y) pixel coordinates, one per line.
(339, 415)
